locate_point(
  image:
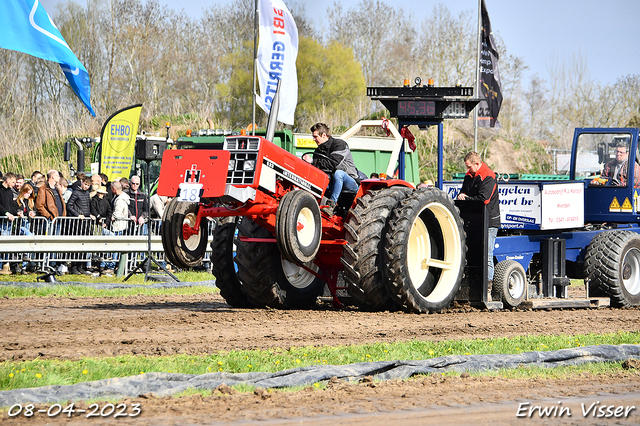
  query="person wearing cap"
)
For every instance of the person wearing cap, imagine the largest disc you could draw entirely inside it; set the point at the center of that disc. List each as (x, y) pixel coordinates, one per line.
(101, 208)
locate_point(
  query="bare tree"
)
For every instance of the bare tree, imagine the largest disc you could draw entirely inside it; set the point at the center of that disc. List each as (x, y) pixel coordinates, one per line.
(536, 102)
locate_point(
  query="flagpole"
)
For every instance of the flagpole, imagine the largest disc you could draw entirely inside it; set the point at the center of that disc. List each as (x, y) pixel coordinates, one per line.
(477, 85)
(255, 66)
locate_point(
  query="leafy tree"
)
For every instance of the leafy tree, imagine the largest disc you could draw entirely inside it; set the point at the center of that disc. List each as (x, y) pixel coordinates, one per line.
(331, 86)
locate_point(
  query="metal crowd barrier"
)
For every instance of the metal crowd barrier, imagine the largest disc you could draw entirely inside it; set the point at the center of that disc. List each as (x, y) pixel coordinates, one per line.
(38, 242)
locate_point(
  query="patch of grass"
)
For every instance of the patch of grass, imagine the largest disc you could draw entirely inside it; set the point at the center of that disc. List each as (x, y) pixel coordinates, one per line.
(561, 372)
(191, 392)
(15, 375)
(84, 291)
(186, 276)
(66, 290)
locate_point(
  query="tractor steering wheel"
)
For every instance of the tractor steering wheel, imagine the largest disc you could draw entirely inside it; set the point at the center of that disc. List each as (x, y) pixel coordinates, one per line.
(326, 157)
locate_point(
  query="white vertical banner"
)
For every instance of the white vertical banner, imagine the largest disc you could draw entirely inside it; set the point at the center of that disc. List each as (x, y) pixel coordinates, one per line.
(277, 53)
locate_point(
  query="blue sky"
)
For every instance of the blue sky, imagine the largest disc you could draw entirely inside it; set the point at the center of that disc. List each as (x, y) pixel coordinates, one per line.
(606, 34)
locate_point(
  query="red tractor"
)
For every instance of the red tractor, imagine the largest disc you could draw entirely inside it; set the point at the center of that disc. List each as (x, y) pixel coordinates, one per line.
(397, 246)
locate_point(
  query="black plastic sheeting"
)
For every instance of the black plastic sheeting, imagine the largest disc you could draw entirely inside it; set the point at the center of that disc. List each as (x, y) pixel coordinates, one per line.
(163, 384)
(109, 286)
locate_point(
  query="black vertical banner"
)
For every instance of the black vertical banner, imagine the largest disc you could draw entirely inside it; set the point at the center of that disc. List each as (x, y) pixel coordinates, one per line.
(489, 108)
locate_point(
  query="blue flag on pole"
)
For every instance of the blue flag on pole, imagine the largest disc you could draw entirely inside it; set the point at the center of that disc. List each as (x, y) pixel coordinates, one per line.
(26, 27)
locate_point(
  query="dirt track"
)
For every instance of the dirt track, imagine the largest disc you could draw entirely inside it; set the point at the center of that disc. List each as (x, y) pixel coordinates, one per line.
(72, 328)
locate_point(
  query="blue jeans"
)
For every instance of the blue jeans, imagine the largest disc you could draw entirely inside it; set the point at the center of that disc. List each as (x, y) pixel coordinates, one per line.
(491, 236)
(5, 230)
(24, 228)
(341, 180)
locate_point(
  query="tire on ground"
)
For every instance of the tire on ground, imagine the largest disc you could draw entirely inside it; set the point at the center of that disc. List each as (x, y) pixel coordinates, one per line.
(612, 265)
(223, 266)
(365, 228)
(425, 251)
(269, 280)
(509, 282)
(169, 239)
(188, 252)
(298, 227)
(591, 263)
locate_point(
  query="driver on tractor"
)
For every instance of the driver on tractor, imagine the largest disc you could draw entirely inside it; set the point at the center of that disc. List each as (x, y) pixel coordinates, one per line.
(333, 157)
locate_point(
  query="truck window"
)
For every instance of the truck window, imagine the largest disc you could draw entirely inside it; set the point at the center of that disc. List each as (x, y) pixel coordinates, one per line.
(602, 158)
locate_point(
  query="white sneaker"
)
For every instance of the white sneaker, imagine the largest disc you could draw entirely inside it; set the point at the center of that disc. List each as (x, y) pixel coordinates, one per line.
(62, 269)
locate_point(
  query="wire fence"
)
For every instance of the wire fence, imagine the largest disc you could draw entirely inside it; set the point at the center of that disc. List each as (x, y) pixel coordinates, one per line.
(37, 243)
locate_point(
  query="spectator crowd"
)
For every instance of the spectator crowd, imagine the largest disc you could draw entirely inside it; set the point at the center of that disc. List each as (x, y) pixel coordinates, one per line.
(109, 208)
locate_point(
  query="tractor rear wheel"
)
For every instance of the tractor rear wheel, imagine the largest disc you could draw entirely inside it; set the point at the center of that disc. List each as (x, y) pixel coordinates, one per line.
(425, 251)
(298, 227)
(510, 283)
(267, 278)
(612, 264)
(365, 228)
(592, 263)
(190, 251)
(223, 267)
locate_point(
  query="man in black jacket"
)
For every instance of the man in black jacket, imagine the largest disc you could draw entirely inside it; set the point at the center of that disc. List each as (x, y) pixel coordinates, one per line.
(8, 207)
(333, 157)
(480, 184)
(8, 212)
(101, 209)
(138, 205)
(79, 206)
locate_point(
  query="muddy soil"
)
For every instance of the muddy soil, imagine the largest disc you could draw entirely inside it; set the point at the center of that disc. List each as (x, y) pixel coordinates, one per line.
(75, 327)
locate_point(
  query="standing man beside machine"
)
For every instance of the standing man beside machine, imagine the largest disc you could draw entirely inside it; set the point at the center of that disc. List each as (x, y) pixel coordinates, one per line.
(480, 184)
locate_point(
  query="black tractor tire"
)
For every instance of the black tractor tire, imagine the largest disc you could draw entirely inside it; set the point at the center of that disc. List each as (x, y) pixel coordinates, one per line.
(188, 253)
(612, 264)
(169, 239)
(268, 279)
(510, 283)
(591, 262)
(425, 251)
(223, 266)
(298, 227)
(365, 229)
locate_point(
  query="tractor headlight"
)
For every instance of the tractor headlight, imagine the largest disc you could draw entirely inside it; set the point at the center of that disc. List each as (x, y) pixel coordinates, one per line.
(232, 165)
(249, 165)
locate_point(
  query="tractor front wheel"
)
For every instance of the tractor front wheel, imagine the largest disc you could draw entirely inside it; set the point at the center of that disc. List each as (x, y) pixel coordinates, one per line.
(425, 251)
(169, 239)
(185, 252)
(298, 226)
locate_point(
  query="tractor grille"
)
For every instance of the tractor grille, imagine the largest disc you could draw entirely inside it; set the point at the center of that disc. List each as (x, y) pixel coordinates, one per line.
(242, 143)
(239, 176)
(244, 158)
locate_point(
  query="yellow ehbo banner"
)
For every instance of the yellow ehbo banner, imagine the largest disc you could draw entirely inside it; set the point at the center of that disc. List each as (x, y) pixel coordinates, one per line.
(118, 142)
